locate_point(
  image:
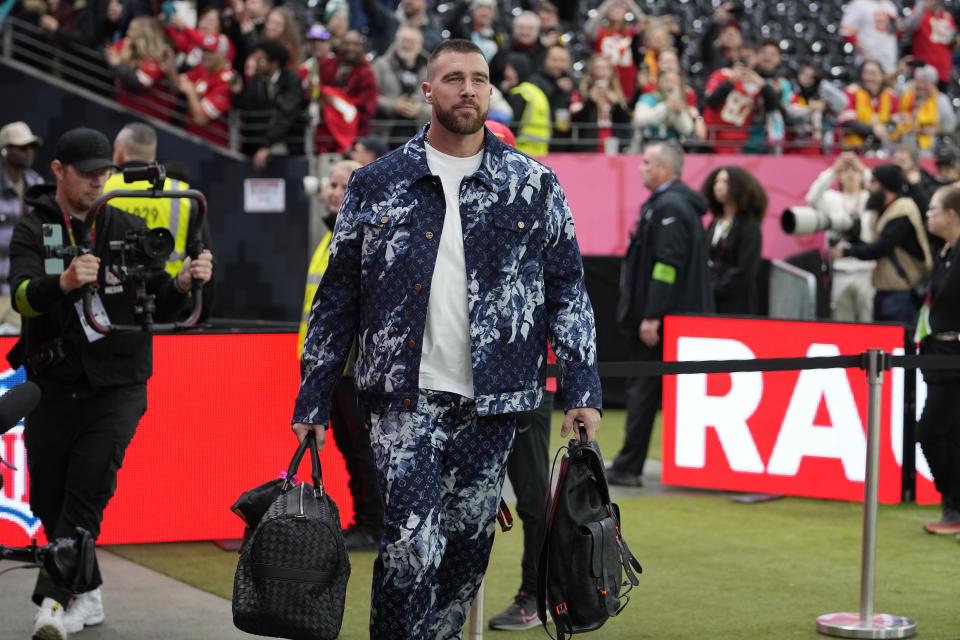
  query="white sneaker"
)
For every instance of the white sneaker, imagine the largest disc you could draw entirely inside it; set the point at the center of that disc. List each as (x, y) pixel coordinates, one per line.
(85, 610)
(48, 622)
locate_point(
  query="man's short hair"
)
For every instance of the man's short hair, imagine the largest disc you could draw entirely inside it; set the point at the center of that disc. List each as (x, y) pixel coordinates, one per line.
(139, 141)
(950, 198)
(670, 154)
(457, 45)
(274, 50)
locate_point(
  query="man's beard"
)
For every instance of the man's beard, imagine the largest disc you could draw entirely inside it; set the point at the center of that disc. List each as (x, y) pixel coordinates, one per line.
(461, 124)
(877, 200)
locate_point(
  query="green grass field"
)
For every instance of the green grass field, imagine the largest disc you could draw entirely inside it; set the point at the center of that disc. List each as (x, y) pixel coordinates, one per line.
(712, 568)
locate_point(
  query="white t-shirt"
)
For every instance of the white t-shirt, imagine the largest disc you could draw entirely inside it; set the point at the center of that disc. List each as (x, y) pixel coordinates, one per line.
(445, 363)
(872, 23)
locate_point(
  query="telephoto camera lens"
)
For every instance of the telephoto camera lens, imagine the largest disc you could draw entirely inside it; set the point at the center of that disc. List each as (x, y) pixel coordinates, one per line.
(806, 220)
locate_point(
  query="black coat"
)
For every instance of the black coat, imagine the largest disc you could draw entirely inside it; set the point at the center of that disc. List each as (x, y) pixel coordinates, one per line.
(283, 101)
(51, 323)
(734, 263)
(665, 269)
(944, 314)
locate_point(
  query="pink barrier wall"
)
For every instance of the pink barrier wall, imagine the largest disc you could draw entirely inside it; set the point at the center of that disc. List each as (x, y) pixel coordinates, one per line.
(605, 194)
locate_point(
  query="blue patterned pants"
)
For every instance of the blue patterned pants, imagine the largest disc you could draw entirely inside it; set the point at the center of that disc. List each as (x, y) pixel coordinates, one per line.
(441, 469)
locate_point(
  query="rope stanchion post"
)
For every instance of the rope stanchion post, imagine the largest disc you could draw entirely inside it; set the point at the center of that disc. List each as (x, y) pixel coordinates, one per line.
(868, 624)
(475, 616)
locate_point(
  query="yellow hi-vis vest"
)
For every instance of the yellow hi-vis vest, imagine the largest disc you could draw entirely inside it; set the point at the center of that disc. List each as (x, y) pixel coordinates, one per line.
(169, 213)
(318, 265)
(533, 137)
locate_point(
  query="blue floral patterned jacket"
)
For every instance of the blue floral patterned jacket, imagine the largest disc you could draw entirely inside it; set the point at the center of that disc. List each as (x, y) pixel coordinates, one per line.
(524, 279)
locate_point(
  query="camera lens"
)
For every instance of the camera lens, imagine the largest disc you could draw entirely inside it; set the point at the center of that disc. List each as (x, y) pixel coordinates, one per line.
(157, 243)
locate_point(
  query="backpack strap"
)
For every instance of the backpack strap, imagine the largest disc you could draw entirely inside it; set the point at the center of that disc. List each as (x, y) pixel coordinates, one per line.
(546, 520)
(627, 559)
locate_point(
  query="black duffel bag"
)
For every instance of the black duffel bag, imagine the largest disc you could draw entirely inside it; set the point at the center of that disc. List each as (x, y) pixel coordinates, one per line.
(291, 578)
(583, 557)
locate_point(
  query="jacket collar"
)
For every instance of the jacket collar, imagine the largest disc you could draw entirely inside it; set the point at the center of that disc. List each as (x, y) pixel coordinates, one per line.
(413, 159)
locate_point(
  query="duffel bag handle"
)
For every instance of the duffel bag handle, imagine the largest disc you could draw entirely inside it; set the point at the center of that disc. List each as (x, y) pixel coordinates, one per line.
(582, 430)
(317, 469)
(309, 442)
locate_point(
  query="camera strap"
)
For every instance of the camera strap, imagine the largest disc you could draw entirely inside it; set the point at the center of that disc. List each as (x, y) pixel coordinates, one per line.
(68, 223)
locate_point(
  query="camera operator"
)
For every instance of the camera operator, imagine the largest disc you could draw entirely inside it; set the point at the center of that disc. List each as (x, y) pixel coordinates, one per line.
(93, 385)
(900, 249)
(851, 292)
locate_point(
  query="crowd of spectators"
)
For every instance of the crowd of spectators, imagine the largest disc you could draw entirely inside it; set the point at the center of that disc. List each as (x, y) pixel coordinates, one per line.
(741, 77)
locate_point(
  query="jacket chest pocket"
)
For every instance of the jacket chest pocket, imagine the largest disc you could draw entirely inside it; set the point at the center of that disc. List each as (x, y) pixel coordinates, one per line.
(519, 241)
(386, 235)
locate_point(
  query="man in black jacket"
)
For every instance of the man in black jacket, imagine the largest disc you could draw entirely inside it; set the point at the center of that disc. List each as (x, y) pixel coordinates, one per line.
(94, 386)
(276, 93)
(665, 271)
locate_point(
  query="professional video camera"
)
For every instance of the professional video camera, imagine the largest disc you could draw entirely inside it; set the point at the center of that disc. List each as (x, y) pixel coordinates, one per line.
(807, 220)
(136, 259)
(69, 561)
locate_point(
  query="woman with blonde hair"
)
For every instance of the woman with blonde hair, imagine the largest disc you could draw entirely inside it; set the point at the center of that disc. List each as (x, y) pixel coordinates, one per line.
(599, 110)
(141, 64)
(282, 26)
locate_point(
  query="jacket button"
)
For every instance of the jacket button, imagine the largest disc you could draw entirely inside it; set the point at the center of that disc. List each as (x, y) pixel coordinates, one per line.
(406, 402)
(384, 219)
(429, 235)
(417, 287)
(411, 344)
(520, 225)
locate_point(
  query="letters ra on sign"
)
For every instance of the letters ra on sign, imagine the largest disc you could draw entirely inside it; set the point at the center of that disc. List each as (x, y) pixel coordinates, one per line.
(800, 433)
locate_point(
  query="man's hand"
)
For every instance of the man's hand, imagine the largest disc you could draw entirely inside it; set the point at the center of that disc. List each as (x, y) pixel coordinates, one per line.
(49, 23)
(260, 158)
(319, 432)
(590, 418)
(82, 270)
(649, 331)
(185, 86)
(112, 56)
(201, 269)
(834, 253)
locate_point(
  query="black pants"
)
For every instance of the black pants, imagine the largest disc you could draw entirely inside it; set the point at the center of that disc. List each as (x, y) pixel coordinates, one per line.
(938, 433)
(644, 397)
(894, 306)
(528, 468)
(352, 436)
(75, 441)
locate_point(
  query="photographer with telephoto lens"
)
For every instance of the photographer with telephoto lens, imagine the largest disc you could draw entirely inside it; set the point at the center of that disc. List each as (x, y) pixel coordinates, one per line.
(851, 290)
(94, 386)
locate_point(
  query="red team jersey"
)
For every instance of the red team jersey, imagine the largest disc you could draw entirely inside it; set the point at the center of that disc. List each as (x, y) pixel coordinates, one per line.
(933, 41)
(213, 90)
(736, 111)
(615, 47)
(154, 98)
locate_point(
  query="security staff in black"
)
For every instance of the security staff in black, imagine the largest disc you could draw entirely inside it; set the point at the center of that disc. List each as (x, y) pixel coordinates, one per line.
(93, 385)
(665, 271)
(938, 430)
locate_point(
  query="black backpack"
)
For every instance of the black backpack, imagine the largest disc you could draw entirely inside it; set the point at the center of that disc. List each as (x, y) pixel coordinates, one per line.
(583, 555)
(291, 579)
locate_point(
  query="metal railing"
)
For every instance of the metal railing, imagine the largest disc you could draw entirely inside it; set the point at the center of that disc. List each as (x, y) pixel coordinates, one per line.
(86, 67)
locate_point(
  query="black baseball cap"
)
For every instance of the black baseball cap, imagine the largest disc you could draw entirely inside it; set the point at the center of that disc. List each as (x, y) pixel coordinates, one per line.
(86, 149)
